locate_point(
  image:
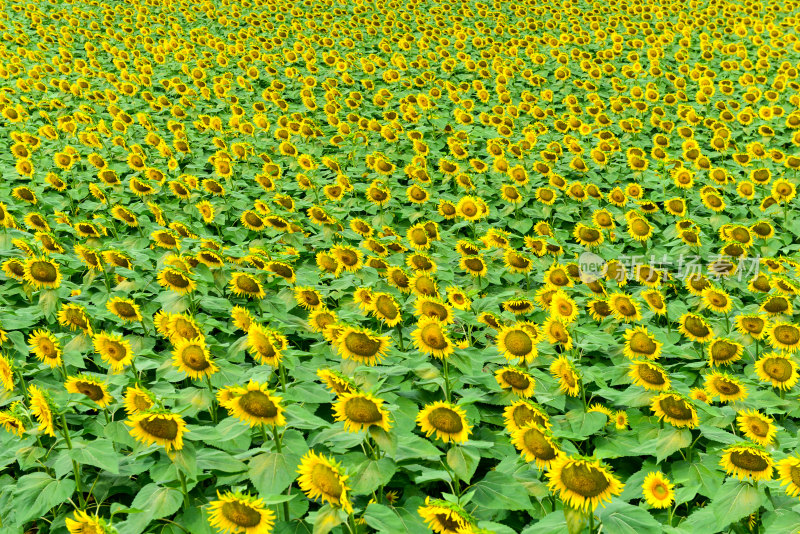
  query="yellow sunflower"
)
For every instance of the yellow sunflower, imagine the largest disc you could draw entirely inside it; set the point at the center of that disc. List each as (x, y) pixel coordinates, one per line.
(114, 350)
(778, 369)
(649, 375)
(747, 461)
(265, 345)
(42, 408)
(125, 309)
(522, 412)
(448, 421)
(83, 523)
(756, 427)
(789, 475)
(192, 357)
(639, 343)
(784, 336)
(516, 379)
(176, 280)
(362, 345)
(90, 388)
(536, 445)
(360, 411)
(45, 346)
(658, 490)
(516, 342)
(675, 409)
(254, 404)
(321, 477)
(239, 513)
(724, 386)
(569, 381)
(723, 351)
(445, 517)
(158, 427)
(624, 308)
(695, 327)
(138, 399)
(582, 483)
(41, 273)
(430, 337)
(245, 285)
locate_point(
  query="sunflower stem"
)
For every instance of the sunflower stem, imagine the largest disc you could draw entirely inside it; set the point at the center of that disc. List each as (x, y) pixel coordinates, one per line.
(282, 374)
(183, 488)
(212, 409)
(400, 337)
(446, 370)
(591, 522)
(76, 468)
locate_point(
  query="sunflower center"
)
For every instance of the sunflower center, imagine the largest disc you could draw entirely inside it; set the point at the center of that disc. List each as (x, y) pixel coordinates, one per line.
(445, 420)
(642, 343)
(241, 514)
(46, 347)
(141, 402)
(247, 284)
(124, 309)
(723, 351)
(348, 257)
(160, 427)
(726, 387)
(194, 357)
(327, 480)
(794, 475)
(176, 279)
(650, 375)
(625, 307)
(584, 480)
(696, 327)
(433, 337)
(92, 391)
(589, 234)
(640, 227)
(258, 403)
(536, 443)
(474, 264)
(43, 271)
(717, 299)
(787, 334)
(361, 344)
(748, 460)
(776, 305)
(758, 427)
(778, 369)
(447, 524)
(386, 307)
(434, 309)
(361, 410)
(676, 408)
(660, 491)
(523, 415)
(516, 380)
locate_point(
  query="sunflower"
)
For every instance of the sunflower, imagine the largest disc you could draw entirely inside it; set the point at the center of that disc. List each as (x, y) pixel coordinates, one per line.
(308, 297)
(716, 300)
(362, 345)
(752, 325)
(557, 276)
(45, 346)
(265, 345)
(322, 477)
(789, 475)
(74, 317)
(125, 309)
(240, 513)
(445, 517)
(522, 306)
(245, 285)
(756, 427)
(639, 229)
(114, 350)
(241, 318)
(649, 375)
(776, 305)
(723, 351)
(83, 523)
(516, 379)
(695, 327)
(624, 308)
(557, 333)
(536, 445)
(350, 259)
(658, 490)
(563, 307)
(568, 378)
(41, 272)
(522, 412)
(361, 411)
(6, 373)
(192, 357)
(138, 399)
(254, 404)
(448, 421)
(10, 421)
(386, 309)
(458, 298)
(747, 461)
(42, 408)
(675, 409)
(336, 382)
(582, 482)
(430, 337)
(474, 265)
(14, 269)
(784, 336)
(588, 236)
(724, 386)
(175, 280)
(639, 343)
(158, 426)
(778, 369)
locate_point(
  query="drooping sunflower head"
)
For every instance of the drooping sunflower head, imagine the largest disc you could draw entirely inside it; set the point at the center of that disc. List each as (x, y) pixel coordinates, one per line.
(746, 461)
(74, 317)
(569, 381)
(447, 421)
(114, 350)
(338, 383)
(523, 306)
(649, 375)
(239, 513)
(264, 345)
(323, 478)
(159, 427)
(89, 387)
(360, 411)
(582, 483)
(41, 406)
(241, 318)
(675, 409)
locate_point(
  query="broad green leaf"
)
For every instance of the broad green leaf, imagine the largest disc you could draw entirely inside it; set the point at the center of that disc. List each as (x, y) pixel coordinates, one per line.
(386, 519)
(500, 492)
(463, 460)
(272, 472)
(37, 493)
(735, 500)
(99, 453)
(623, 518)
(371, 474)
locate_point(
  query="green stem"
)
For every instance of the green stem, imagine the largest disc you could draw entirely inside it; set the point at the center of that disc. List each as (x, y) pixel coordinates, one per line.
(400, 337)
(212, 409)
(279, 447)
(183, 489)
(446, 370)
(282, 373)
(76, 468)
(591, 521)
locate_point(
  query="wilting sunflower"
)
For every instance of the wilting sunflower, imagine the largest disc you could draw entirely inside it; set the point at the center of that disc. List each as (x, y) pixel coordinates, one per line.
(784, 336)
(778, 369)
(362, 345)
(747, 461)
(125, 309)
(658, 490)
(158, 426)
(430, 337)
(114, 350)
(176, 280)
(624, 308)
(675, 409)
(649, 375)
(360, 411)
(42, 408)
(192, 357)
(138, 399)
(522, 412)
(448, 421)
(722, 351)
(789, 475)
(254, 404)
(569, 381)
(445, 517)
(264, 345)
(639, 343)
(695, 327)
(724, 386)
(45, 346)
(756, 427)
(516, 379)
(582, 482)
(322, 477)
(245, 285)
(84, 523)
(536, 445)
(240, 513)
(90, 388)
(41, 273)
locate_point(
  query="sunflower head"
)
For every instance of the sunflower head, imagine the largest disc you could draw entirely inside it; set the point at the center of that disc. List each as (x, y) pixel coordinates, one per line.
(658, 490)
(447, 421)
(746, 461)
(323, 478)
(239, 512)
(583, 483)
(360, 411)
(156, 426)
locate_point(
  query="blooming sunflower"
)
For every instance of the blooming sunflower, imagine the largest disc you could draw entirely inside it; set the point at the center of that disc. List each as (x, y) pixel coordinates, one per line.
(695, 327)
(74, 317)
(474, 265)
(756, 427)
(362, 345)
(431, 338)
(241, 318)
(176, 280)
(639, 343)
(138, 399)
(778, 369)
(245, 285)
(649, 375)
(240, 513)
(445, 517)
(125, 309)
(747, 461)
(158, 426)
(582, 482)
(6, 373)
(386, 309)
(42, 408)
(11, 422)
(568, 377)
(563, 307)
(536, 445)
(264, 345)
(45, 346)
(90, 388)
(336, 382)
(522, 412)
(724, 386)
(458, 298)
(254, 404)
(83, 523)
(784, 336)
(41, 272)
(192, 357)
(675, 409)
(448, 421)
(557, 333)
(789, 475)
(723, 351)
(321, 477)
(360, 411)
(516, 379)
(114, 350)
(658, 490)
(624, 308)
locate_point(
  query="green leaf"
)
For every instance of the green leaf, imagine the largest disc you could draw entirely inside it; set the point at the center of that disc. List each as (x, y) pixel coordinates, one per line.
(734, 501)
(385, 519)
(623, 518)
(99, 453)
(272, 472)
(582, 424)
(501, 492)
(37, 493)
(781, 521)
(371, 474)
(328, 518)
(411, 446)
(463, 460)
(670, 440)
(552, 523)
(155, 502)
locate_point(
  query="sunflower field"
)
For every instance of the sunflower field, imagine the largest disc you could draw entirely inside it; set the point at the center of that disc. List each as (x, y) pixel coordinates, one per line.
(443, 266)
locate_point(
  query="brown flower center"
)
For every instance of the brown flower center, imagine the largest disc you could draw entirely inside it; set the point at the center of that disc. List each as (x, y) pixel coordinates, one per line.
(445, 420)
(361, 410)
(584, 480)
(240, 514)
(160, 427)
(257, 403)
(361, 344)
